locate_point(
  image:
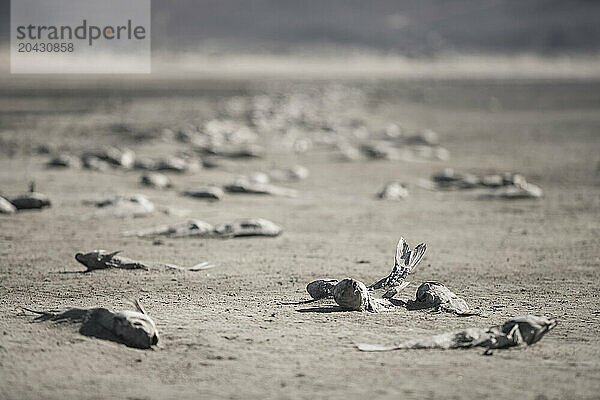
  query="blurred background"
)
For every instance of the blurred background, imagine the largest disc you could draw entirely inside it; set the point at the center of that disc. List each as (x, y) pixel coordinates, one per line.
(192, 36)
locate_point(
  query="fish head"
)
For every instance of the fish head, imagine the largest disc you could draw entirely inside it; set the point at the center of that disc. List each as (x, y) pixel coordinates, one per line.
(351, 295)
(531, 327)
(95, 259)
(135, 329)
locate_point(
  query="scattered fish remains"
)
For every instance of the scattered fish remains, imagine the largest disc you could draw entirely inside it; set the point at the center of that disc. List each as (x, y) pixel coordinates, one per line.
(247, 151)
(296, 173)
(424, 137)
(6, 207)
(102, 259)
(450, 179)
(393, 191)
(437, 296)
(94, 163)
(115, 156)
(247, 227)
(64, 160)
(217, 133)
(347, 152)
(208, 193)
(191, 228)
(156, 180)
(384, 150)
(131, 328)
(321, 288)
(201, 229)
(136, 205)
(513, 192)
(504, 186)
(352, 294)
(109, 157)
(169, 164)
(30, 201)
(381, 150)
(247, 186)
(520, 331)
(320, 119)
(394, 145)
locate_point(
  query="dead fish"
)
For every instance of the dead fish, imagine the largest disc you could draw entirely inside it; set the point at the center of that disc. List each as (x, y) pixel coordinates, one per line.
(191, 228)
(145, 164)
(520, 331)
(296, 173)
(492, 181)
(156, 180)
(515, 192)
(352, 294)
(131, 328)
(170, 164)
(250, 151)
(425, 137)
(431, 152)
(118, 157)
(437, 296)
(247, 227)
(216, 162)
(187, 133)
(347, 152)
(201, 229)
(321, 288)
(6, 207)
(505, 179)
(102, 259)
(393, 191)
(505, 185)
(175, 211)
(94, 163)
(30, 201)
(256, 177)
(246, 186)
(380, 151)
(405, 262)
(449, 179)
(208, 193)
(247, 151)
(228, 130)
(64, 161)
(45, 148)
(448, 175)
(393, 131)
(136, 205)
(386, 150)
(201, 267)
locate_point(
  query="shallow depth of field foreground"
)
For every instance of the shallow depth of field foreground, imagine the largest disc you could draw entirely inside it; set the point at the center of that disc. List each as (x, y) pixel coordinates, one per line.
(240, 324)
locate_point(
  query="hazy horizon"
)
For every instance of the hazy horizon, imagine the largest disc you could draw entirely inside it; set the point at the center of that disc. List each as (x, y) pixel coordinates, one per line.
(410, 28)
